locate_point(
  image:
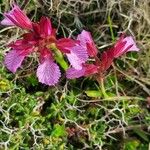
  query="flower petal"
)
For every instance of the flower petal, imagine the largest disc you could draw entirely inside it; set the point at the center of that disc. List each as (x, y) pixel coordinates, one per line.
(45, 26)
(13, 60)
(86, 70)
(17, 17)
(48, 72)
(85, 37)
(77, 56)
(66, 44)
(7, 22)
(86, 40)
(90, 69)
(129, 41)
(123, 45)
(106, 60)
(22, 44)
(72, 73)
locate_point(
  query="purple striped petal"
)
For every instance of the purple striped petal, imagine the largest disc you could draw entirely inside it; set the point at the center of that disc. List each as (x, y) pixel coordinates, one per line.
(48, 72)
(17, 17)
(86, 40)
(72, 73)
(123, 45)
(7, 22)
(129, 41)
(85, 37)
(77, 56)
(13, 60)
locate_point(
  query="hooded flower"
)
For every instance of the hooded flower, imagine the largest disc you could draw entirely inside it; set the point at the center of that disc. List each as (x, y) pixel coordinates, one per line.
(17, 17)
(123, 45)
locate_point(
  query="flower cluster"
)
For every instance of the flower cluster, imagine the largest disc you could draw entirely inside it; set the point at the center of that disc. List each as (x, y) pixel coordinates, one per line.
(41, 38)
(102, 63)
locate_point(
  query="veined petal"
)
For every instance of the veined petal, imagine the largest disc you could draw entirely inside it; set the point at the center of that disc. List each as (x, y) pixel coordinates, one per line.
(13, 60)
(86, 40)
(129, 41)
(72, 73)
(85, 37)
(86, 70)
(17, 17)
(29, 39)
(77, 56)
(106, 60)
(22, 44)
(91, 49)
(48, 72)
(123, 45)
(90, 69)
(7, 22)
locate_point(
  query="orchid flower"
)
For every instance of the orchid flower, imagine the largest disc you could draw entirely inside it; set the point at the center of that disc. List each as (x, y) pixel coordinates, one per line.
(17, 17)
(80, 52)
(123, 45)
(41, 37)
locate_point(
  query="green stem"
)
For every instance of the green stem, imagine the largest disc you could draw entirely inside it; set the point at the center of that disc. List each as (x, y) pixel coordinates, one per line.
(60, 59)
(111, 27)
(103, 90)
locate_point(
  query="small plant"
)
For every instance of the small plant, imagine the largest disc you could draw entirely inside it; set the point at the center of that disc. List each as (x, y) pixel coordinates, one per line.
(41, 38)
(68, 89)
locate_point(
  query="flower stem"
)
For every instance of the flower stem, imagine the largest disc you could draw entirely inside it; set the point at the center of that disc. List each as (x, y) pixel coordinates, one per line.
(101, 82)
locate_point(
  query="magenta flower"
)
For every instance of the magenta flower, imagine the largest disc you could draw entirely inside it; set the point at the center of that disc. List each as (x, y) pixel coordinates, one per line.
(123, 45)
(17, 17)
(86, 41)
(41, 38)
(80, 52)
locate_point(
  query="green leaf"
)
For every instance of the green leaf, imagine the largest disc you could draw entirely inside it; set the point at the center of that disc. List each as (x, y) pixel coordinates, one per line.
(131, 145)
(59, 131)
(32, 80)
(93, 93)
(142, 134)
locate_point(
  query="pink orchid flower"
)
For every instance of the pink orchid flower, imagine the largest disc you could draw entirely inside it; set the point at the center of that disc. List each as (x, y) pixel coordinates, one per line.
(17, 17)
(123, 45)
(80, 52)
(41, 37)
